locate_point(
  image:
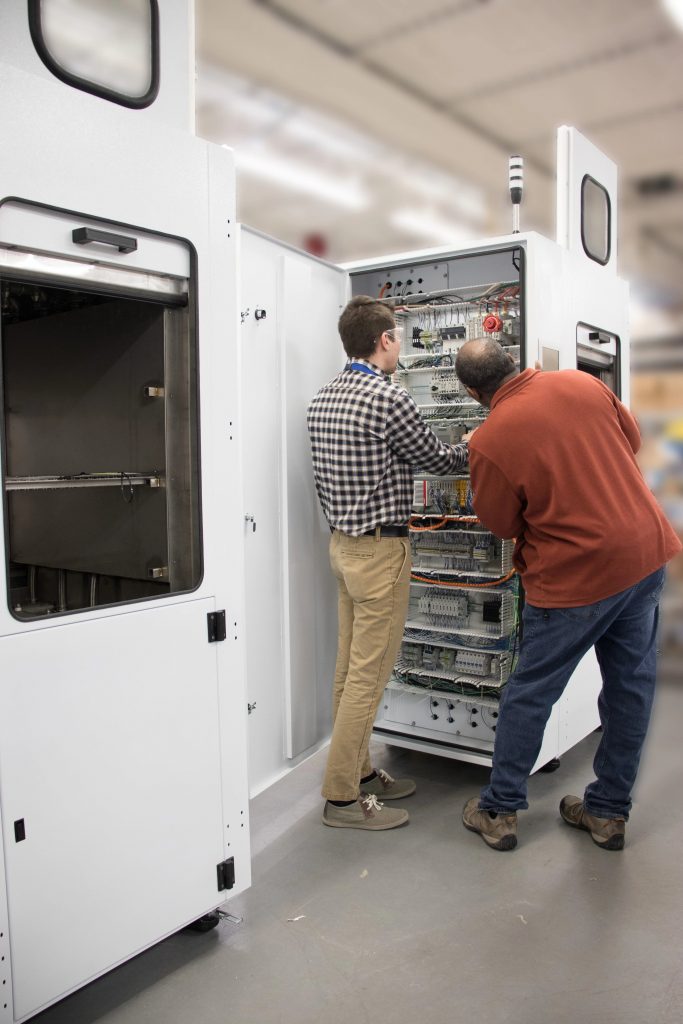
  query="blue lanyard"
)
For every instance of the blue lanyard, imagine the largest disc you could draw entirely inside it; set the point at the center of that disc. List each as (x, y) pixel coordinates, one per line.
(363, 369)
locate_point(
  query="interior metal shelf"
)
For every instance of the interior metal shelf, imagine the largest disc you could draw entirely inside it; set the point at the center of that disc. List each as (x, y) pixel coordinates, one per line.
(51, 483)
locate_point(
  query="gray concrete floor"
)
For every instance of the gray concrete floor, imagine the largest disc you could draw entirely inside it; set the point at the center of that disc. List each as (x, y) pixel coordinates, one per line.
(425, 924)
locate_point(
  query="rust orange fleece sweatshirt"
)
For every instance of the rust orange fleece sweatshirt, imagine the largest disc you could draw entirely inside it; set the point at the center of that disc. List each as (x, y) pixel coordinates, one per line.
(554, 466)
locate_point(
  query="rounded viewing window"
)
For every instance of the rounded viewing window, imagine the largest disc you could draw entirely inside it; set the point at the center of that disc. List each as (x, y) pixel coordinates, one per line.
(106, 47)
(596, 220)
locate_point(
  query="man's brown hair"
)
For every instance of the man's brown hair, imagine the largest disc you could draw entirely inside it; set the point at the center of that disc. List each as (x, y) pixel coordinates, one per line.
(362, 322)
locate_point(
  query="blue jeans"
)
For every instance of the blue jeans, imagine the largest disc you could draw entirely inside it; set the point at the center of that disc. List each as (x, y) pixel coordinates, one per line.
(623, 630)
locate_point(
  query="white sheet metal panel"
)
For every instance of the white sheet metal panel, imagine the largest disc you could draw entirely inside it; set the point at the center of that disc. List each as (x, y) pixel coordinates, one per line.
(110, 753)
(174, 103)
(131, 666)
(120, 186)
(222, 513)
(41, 230)
(578, 708)
(291, 595)
(261, 434)
(577, 158)
(6, 998)
(315, 295)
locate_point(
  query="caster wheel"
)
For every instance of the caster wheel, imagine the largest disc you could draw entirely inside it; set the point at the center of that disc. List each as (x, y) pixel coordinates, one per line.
(551, 766)
(205, 923)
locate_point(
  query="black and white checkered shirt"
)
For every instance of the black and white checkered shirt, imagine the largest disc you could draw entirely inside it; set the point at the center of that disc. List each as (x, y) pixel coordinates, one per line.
(366, 435)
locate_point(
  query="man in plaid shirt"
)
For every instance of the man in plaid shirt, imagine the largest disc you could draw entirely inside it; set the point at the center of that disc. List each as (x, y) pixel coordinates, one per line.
(366, 437)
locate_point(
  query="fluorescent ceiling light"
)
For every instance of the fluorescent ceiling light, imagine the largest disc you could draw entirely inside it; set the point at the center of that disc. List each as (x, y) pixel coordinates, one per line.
(427, 224)
(331, 140)
(674, 8)
(462, 199)
(298, 177)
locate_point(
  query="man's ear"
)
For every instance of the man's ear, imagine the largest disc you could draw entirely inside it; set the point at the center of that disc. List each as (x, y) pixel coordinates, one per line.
(473, 393)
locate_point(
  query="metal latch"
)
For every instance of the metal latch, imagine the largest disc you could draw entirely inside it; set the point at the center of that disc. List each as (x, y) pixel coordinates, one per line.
(250, 519)
(225, 874)
(216, 626)
(153, 391)
(159, 572)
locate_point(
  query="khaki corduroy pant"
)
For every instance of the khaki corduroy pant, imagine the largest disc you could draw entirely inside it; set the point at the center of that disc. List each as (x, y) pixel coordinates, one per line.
(373, 577)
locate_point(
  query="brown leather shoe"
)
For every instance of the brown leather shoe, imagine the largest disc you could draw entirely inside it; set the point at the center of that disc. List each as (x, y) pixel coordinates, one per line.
(500, 833)
(607, 833)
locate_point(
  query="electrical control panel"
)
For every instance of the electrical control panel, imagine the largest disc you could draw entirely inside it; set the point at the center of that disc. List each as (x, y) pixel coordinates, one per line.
(461, 633)
(549, 304)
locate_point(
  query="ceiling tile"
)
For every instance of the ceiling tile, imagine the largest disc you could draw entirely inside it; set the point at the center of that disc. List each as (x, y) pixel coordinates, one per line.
(484, 48)
(593, 96)
(358, 25)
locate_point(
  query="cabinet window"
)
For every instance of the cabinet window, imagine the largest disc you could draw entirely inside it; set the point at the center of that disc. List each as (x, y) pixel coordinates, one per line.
(596, 220)
(106, 47)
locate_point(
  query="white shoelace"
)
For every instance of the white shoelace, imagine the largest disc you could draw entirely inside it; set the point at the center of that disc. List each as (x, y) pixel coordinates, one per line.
(386, 778)
(371, 803)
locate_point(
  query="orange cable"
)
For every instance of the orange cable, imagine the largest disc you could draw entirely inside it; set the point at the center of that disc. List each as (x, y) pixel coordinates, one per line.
(463, 586)
(446, 519)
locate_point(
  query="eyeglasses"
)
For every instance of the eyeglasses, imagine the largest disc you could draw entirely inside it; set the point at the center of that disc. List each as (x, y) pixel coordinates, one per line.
(397, 333)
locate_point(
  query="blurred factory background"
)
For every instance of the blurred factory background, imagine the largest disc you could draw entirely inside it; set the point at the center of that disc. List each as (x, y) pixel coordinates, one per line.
(370, 127)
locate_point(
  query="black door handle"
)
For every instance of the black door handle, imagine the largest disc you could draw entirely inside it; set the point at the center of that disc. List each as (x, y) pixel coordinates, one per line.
(124, 243)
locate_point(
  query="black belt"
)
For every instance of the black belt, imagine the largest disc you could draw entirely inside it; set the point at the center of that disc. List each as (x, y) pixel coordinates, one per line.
(387, 531)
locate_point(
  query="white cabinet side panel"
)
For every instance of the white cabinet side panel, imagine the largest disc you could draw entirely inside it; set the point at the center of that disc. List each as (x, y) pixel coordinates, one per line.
(223, 514)
(6, 1008)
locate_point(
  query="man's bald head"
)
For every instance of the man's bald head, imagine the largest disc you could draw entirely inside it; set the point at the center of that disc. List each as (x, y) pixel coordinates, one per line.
(483, 365)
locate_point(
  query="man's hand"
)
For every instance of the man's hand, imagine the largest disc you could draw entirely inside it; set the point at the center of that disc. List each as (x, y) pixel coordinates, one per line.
(469, 435)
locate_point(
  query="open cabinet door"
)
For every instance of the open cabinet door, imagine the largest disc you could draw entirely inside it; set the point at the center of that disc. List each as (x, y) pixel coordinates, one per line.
(290, 347)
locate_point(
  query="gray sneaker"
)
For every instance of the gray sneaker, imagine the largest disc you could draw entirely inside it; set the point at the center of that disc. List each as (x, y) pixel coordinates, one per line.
(607, 833)
(500, 833)
(386, 787)
(366, 812)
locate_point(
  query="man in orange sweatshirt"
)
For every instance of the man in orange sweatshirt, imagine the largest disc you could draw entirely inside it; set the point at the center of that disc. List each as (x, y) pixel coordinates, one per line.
(554, 467)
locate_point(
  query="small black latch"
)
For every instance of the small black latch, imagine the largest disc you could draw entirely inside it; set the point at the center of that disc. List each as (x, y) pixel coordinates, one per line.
(216, 626)
(260, 314)
(19, 830)
(225, 874)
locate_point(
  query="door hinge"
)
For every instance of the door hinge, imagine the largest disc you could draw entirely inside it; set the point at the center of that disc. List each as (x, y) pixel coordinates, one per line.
(225, 874)
(216, 626)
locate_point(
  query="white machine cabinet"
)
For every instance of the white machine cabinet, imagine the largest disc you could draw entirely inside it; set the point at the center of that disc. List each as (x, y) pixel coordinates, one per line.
(559, 303)
(123, 763)
(167, 614)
